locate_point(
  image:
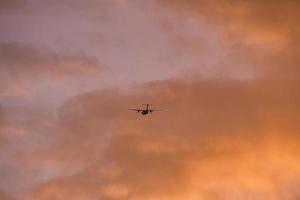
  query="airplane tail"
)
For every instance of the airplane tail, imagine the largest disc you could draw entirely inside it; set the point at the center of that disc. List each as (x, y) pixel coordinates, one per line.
(147, 106)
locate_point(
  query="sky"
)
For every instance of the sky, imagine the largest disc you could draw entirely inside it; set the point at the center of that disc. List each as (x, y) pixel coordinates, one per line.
(225, 72)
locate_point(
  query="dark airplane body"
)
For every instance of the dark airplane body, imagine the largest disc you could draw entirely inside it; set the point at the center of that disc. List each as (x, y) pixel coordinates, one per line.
(145, 111)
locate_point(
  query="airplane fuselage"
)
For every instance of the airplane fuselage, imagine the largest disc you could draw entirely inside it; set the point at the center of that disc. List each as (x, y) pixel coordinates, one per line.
(145, 112)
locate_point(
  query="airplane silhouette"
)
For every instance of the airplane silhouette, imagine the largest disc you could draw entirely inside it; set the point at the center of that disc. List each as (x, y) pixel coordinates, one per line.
(145, 111)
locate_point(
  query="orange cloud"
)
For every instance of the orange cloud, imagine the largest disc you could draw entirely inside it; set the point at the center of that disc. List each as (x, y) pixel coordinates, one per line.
(262, 23)
(4, 196)
(215, 139)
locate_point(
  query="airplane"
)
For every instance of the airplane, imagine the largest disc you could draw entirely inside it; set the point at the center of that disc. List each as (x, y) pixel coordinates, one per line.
(145, 111)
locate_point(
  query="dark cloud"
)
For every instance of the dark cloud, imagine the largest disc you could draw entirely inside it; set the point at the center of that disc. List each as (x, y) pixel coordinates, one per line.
(20, 62)
(13, 5)
(23, 59)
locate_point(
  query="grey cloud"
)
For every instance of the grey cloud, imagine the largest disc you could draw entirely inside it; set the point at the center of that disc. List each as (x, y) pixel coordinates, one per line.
(13, 5)
(20, 62)
(22, 58)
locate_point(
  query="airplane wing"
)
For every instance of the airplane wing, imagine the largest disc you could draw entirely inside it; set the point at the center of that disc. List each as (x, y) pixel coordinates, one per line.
(151, 110)
(138, 110)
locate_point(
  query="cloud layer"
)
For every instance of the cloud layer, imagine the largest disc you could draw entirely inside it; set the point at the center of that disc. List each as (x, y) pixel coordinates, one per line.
(216, 139)
(224, 72)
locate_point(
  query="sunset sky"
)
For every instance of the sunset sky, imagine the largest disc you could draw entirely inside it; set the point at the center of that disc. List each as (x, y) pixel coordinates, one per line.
(226, 73)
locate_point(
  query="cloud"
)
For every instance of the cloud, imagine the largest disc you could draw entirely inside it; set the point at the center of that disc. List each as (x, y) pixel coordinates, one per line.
(23, 59)
(218, 137)
(2, 124)
(263, 28)
(263, 34)
(215, 139)
(20, 62)
(12, 5)
(255, 14)
(4, 196)
(8, 129)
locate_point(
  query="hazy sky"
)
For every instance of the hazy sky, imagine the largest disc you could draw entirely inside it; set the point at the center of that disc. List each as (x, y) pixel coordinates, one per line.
(226, 73)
